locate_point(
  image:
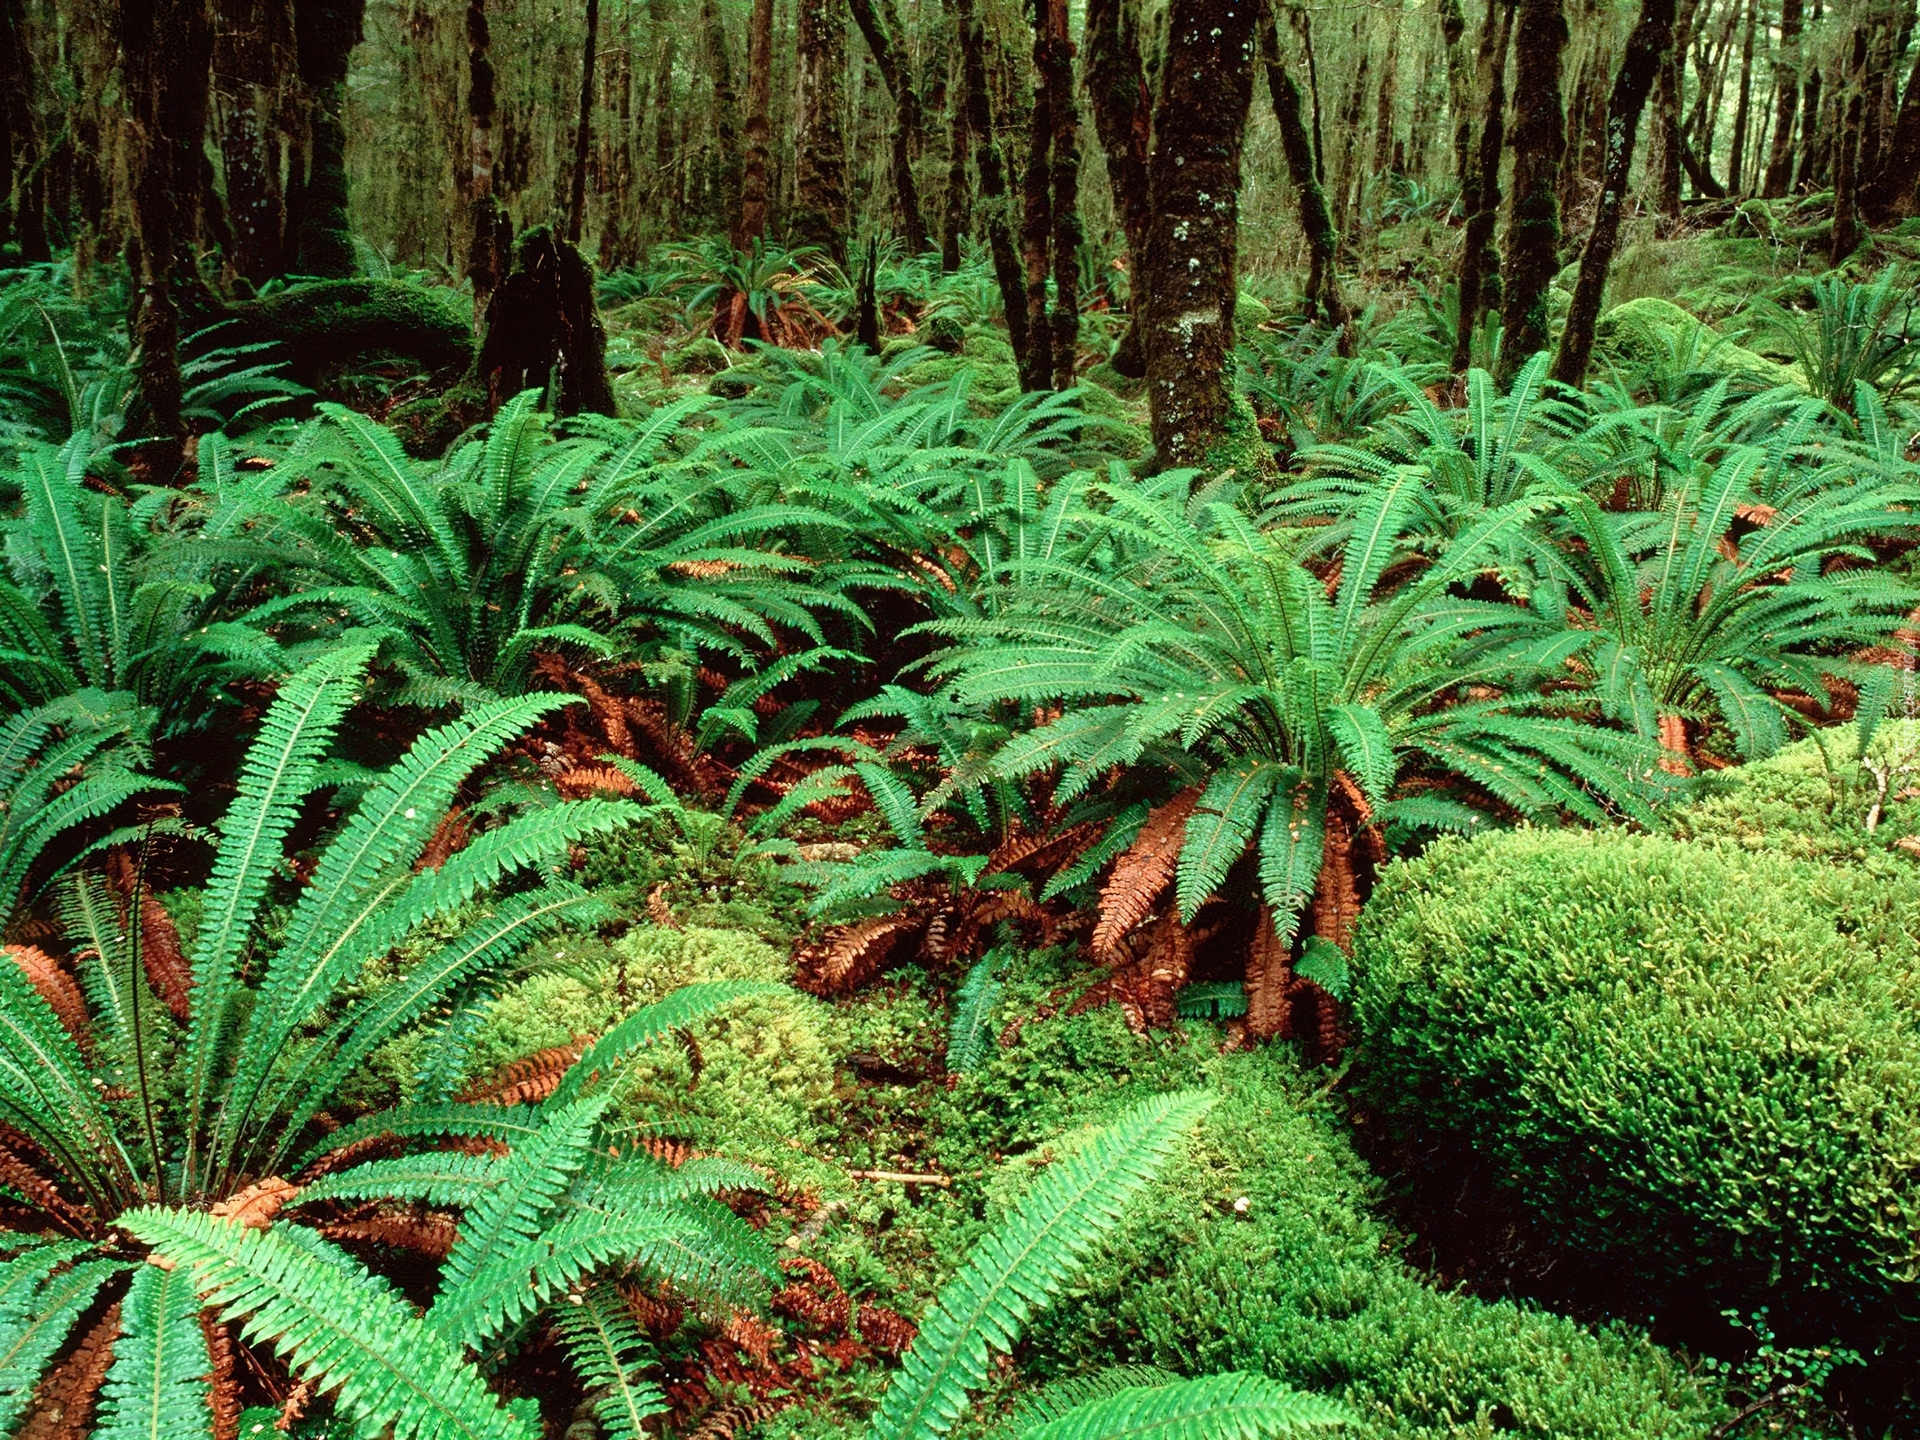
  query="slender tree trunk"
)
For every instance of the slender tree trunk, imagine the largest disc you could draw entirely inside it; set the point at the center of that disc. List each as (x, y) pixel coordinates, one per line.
(1738, 170)
(1036, 225)
(1064, 182)
(1323, 241)
(1812, 128)
(1384, 102)
(1191, 245)
(1668, 100)
(1639, 67)
(955, 219)
(252, 57)
(1122, 111)
(819, 147)
(752, 221)
(1889, 193)
(16, 114)
(890, 59)
(1539, 145)
(325, 32)
(490, 243)
(1479, 264)
(1779, 177)
(1847, 230)
(992, 173)
(166, 54)
(583, 136)
(725, 177)
(1460, 107)
(663, 191)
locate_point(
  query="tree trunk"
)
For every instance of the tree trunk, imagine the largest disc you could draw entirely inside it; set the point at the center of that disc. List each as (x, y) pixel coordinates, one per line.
(252, 59)
(1738, 170)
(1539, 145)
(1847, 231)
(1786, 103)
(955, 219)
(1191, 254)
(22, 190)
(1813, 150)
(1889, 194)
(890, 60)
(1639, 67)
(1064, 180)
(1323, 241)
(1036, 223)
(583, 136)
(489, 244)
(166, 54)
(662, 191)
(1481, 195)
(543, 326)
(751, 223)
(725, 181)
(1122, 111)
(1453, 33)
(992, 172)
(1669, 96)
(819, 148)
(325, 32)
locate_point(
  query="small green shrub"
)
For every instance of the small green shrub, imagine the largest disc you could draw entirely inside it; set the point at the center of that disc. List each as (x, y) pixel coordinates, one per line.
(1699, 1066)
(1260, 1252)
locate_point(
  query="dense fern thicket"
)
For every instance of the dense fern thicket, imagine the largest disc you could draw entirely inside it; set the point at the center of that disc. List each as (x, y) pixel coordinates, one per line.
(718, 729)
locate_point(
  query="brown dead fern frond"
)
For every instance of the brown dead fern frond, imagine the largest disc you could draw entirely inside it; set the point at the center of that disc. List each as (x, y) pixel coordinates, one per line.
(223, 1383)
(1269, 976)
(449, 837)
(528, 1080)
(1142, 872)
(63, 1401)
(885, 1330)
(57, 987)
(850, 955)
(429, 1234)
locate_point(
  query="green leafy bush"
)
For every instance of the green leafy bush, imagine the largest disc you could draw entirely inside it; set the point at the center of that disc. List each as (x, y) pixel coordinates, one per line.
(1259, 1252)
(1698, 1066)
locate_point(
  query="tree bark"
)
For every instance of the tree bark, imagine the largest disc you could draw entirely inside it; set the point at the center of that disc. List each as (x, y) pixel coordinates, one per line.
(325, 32)
(1812, 149)
(662, 192)
(1639, 67)
(1665, 165)
(1191, 259)
(1064, 184)
(1323, 241)
(956, 215)
(877, 26)
(751, 223)
(166, 54)
(543, 321)
(1779, 177)
(1847, 230)
(1122, 118)
(252, 61)
(583, 136)
(1890, 193)
(488, 243)
(992, 174)
(1539, 145)
(1738, 170)
(1479, 262)
(819, 147)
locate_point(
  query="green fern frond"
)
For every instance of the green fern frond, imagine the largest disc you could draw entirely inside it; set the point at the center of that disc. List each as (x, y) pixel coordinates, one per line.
(336, 1325)
(1054, 1400)
(156, 1387)
(1023, 1262)
(608, 1352)
(439, 1177)
(970, 1033)
(32, 1334)
(686, 1006)
(1215, 1407)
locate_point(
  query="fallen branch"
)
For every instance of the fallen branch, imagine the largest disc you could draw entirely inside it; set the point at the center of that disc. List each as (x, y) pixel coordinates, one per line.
(900, 1177)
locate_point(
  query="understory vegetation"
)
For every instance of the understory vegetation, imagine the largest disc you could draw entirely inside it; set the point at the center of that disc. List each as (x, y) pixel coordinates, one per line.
(1273, 790)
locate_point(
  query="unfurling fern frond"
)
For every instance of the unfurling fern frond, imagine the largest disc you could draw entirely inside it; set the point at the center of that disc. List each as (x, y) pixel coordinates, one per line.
(608, 1352)
(1215, 1407)
(157, 1385)
(1022, 1264)
(336, 1325)
(970, 1036)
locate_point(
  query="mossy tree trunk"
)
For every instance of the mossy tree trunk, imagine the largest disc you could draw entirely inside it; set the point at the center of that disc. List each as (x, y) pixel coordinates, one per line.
(1891, 191)
(489, 244)
(992, 173)
(1539, 146)
(662, 192)
(1639, 67)
(1316, 220)
(1739, 173)
(819, 146)
(22, 207)
(878, 27)
(543, 331)
(1847, 230)
(583, 134)
(957, 213)
(166, 49)
(1050, 232)
(1480, 196)
(1786, 103)
(751, 222)
(1191, 257)
(1122, 118)
(325, 32)
(252, 64)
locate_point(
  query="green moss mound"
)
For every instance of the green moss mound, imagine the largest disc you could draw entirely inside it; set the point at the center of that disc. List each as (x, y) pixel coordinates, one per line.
(1703, 1065)
(1651, 332)
(1260, 1250)
(330, 325)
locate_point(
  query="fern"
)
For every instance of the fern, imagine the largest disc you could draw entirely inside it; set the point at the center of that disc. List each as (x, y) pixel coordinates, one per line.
(35, 1324)
(156, 1386)
(1215, 1407)
(440, 1177)
(608, 1353)
(685, 1006)
(970, 1034)
(1023, 1263)
(1061, 1396)
(335, 1324)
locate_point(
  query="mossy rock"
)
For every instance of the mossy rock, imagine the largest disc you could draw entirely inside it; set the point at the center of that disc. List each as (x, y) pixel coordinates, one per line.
(329, 326)
(1250, 310)
(1242, 449)
(1649, 331)
(701, 355)
(429, 424)
(990, 347)
(946, 334)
